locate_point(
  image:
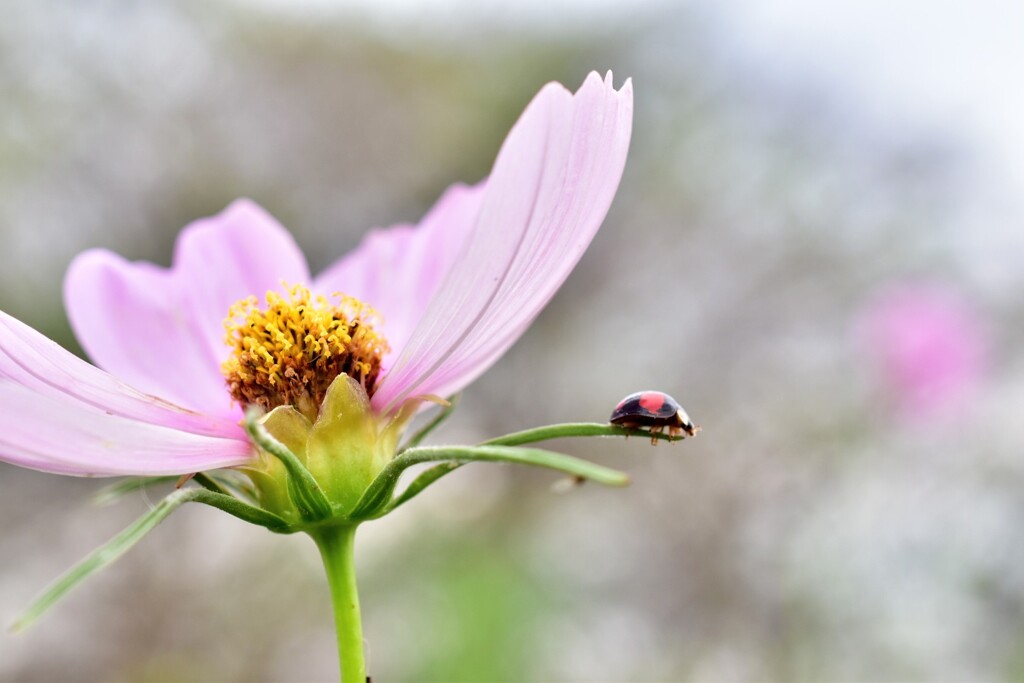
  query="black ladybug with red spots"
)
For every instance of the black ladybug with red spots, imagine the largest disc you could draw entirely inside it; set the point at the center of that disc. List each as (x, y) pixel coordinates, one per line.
(655, 411)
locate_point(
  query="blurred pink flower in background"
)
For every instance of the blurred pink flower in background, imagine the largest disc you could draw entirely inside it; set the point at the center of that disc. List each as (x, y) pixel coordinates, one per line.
(929, 344)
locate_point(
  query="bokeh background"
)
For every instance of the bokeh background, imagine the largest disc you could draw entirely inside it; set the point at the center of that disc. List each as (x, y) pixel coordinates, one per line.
(817, 248)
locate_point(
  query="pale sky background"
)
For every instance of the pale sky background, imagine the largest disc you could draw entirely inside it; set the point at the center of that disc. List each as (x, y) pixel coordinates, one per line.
(950, 69)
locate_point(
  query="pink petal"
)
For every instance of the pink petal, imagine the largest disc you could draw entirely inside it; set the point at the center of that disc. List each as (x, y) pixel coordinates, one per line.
(161, 330)
(398, 270)
(65, 436)
(548, 193)
(30, 359)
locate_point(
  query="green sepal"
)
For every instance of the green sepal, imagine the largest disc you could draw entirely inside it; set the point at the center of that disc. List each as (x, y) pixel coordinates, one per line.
(120, 544)
(303, 490)
(242, 510)
(267, 473)
(376, 501)
(209, 483)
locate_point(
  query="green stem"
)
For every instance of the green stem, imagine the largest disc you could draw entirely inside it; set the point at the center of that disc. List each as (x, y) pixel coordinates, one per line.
(560, 431)
(439, 419)
(336, 545)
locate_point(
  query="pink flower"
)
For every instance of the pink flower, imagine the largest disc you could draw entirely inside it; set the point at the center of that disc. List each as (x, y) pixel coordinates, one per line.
(454, 293)
(929, 344)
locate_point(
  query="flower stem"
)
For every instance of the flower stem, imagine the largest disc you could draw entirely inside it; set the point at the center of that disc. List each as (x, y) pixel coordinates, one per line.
(336, 545)
(559, 431)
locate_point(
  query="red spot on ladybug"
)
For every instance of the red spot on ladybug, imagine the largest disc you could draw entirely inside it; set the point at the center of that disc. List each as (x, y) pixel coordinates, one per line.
(652, 401)
(655, 411)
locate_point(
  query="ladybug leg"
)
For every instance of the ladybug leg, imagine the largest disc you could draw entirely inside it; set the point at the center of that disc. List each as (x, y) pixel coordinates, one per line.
(675, 433)
(655, 430)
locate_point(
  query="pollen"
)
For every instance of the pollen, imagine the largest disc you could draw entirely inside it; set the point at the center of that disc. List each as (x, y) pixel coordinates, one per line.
(289, 350)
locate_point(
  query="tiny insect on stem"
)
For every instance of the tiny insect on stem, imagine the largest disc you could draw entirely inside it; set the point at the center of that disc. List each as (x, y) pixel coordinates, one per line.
(656, 411)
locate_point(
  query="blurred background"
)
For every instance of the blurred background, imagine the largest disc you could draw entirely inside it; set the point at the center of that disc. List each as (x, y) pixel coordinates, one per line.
(816, 248)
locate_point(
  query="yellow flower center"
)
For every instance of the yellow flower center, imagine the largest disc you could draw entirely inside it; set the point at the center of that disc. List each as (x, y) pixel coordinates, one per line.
(290, 350)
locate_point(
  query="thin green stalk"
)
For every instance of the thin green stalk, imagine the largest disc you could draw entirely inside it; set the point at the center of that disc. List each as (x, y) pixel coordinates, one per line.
(560, 431)
(336, 545)
(439, 419)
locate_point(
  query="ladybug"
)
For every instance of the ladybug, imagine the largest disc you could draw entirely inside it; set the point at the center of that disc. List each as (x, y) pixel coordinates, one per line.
(654, 410)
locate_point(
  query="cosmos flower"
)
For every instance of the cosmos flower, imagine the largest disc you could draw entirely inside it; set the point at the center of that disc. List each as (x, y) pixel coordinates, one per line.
(238, 319)
(929, 344)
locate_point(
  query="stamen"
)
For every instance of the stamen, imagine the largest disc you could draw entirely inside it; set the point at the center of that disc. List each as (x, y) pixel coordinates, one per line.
(289, 352)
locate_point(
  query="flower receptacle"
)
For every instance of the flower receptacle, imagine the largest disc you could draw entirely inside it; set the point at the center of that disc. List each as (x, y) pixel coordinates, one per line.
(347, 447)
(343, 451)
